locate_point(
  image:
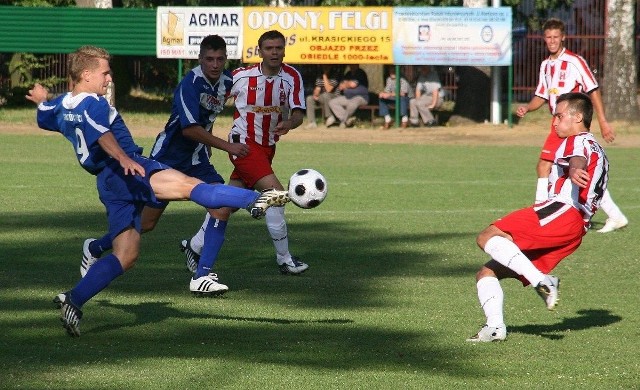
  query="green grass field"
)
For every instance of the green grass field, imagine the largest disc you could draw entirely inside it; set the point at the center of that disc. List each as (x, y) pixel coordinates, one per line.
(387, 302)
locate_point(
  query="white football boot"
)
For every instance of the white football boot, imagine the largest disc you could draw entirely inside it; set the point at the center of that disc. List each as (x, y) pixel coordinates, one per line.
(207, 285)
(488, 334)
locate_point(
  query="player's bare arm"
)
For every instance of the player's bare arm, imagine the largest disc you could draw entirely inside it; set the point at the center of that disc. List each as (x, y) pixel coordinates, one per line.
(38, 94)
(110, 145)
(199, 134)
(535, 103)
(598, 107)
(577, 171)
(295, 120)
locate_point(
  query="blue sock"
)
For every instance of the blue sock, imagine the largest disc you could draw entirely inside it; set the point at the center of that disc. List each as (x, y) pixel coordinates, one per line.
(213, 240)
(220, 195)
(97, 278)
(101, 245)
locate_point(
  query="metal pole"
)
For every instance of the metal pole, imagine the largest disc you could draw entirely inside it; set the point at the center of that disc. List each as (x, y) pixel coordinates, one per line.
(397, 110)
(510, 97)
(496, 86)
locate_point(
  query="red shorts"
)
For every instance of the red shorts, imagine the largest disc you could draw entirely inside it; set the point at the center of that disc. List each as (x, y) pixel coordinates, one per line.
(546, 233)
(551, 145)
(255, 166)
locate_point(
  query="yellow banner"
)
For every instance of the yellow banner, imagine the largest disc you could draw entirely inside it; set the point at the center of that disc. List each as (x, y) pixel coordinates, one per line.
(323, 35)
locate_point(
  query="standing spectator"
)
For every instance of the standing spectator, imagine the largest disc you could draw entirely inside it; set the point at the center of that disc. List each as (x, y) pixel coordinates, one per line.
(354, 89)
(325, 89)
(126, 181)
(428, 97)
(264, 93)
(528, 243)
(388, 96)
(562, 72)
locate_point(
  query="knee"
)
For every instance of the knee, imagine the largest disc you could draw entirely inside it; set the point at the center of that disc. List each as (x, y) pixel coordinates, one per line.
(127, 255)
(147, 226)
(482, 238)
(222, 214)
(127, 261)
(488, 233)
(484, 272)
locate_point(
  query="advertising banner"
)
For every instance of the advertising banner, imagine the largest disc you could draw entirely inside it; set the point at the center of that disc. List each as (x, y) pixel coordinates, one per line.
(323, 35)
(452, 36)
(179, 30)
(344, 35)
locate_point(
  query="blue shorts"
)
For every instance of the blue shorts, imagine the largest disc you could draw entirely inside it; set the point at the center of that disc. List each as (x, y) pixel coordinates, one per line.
(124, 196)
(205, 172)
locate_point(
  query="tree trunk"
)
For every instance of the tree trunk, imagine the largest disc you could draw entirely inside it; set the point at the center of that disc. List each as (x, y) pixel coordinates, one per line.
(474, 87)
(475, 3)
(619, 88)
(94, 3)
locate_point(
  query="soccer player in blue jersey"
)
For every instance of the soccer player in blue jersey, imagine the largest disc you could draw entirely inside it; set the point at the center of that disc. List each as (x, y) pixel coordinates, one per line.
(185, 146)
(126, 181)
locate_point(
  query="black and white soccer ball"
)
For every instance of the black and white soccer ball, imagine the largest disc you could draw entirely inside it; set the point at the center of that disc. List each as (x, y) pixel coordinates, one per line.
(307, 188)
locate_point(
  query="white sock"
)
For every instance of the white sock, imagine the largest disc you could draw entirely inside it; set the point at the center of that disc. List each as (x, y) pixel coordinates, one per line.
(508, 254)
(387, 118)
(197, 241)
(405, 119)
(278, 231)
(609, 207)
(542, 190)
(491, 299)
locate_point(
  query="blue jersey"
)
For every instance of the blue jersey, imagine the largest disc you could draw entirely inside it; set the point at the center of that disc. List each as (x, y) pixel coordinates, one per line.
(195, 102)
(83, 119)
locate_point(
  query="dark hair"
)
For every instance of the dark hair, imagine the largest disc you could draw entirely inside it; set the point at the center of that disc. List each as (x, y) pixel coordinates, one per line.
(213, 42)
(553, 24)
(579, 103)
(273, 34)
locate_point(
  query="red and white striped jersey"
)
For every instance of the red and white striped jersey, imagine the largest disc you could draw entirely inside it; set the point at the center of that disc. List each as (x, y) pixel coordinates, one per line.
(567, 73)
(586, 200)
(261, 102)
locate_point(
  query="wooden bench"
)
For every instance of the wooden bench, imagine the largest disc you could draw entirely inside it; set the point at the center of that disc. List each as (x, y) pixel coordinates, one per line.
(373, 108)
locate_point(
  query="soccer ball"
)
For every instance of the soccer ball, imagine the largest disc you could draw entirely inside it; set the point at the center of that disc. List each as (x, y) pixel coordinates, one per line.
(307, 188)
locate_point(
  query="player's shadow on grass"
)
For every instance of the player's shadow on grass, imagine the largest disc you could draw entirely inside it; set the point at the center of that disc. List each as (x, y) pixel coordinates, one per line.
(586, 319)
(155, 312)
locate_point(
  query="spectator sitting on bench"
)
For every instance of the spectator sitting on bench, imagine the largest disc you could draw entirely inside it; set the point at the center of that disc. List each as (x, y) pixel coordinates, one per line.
(325, 89)
(354, 89)
(428, 97)
(388, 96)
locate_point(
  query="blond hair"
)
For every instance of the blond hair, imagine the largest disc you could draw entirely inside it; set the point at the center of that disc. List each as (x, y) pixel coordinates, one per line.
(85, 58)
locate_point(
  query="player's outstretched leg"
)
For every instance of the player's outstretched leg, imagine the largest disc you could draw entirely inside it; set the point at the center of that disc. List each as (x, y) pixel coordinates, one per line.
(267, 198)
(217, 196)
